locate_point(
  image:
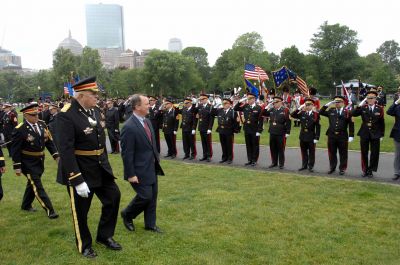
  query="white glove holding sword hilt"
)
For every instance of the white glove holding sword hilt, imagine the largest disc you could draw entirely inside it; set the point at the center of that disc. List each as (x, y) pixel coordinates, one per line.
(82, 190)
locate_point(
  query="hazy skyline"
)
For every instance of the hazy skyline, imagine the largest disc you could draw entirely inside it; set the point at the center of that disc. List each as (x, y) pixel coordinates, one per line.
(33, 29)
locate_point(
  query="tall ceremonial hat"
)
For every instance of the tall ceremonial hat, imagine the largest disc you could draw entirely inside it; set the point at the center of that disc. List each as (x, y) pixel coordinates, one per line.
(32, 108)
(87, 84)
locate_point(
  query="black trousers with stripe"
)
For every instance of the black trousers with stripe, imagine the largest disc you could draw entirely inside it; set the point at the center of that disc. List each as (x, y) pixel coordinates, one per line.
(226, 141)
(34, 189)
(367, 144)
(335, 145)
(307, 154)
(206, 143)
(170, 139)
(277, 144)
(109, 196)
(189, 144)
(252, 146)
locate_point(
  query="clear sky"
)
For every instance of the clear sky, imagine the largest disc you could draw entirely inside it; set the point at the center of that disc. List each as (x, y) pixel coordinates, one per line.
(33, 29)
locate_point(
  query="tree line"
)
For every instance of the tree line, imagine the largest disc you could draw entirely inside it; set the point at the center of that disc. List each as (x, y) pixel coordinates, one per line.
(333, 56)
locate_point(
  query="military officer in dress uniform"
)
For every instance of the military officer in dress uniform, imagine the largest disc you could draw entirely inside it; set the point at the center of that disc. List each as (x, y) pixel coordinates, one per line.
(340, 132)
(252, 126)
(227, 125)
(2, 171)
(206, 122)
(84, 167)
(188, 126)
(155, 117)
(371, 132)
(309, 133)
(394, 110)
(279, 130)
(44, 115)
(27, 150)
(9, 122)
(112, 125)
(53, 108)
(170, 127)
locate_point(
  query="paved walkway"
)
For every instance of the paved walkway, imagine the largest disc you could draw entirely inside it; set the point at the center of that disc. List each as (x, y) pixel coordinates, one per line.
(293, 161)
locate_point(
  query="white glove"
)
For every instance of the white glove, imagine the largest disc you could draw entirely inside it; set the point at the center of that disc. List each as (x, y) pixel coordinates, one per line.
(315, 141)
(351, 139)
(269, 105)
(242, 100)
(193, 132)
(381, 139)
(362, 103)
(329, 103)
(174, 132)
(397, 102)
(258, 134)
(287, 135)
(82, 190)
(208, 131)
(116, 130)
(302, 106)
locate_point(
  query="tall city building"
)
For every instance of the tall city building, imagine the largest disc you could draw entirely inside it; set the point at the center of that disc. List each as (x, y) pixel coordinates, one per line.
(175, 45)
(8, 60)
(105, 26)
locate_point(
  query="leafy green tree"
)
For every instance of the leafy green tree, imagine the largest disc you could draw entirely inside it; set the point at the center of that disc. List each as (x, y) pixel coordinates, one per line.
(251, 41)
(90, 63)
(390, 53)
(64, 63)
(294, 59)
(200, 57)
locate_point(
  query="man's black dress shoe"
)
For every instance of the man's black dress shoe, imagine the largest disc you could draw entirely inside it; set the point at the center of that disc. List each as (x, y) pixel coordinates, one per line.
(253, 164)
(191, 158)
(281, 167)
(229, 162)
(331, 171)
(173, 156)
(364, 174)
(272, 165)
(310, 169)
(208, 159)
(222, 161)
(166, 156)
(155, 229)
(248, 163)
(396, 177)
(89, 253)
(30, 209)
(302, 168)
(127, 223)
(203, 159)
(53, 215)
(109, 243)
(185, 157)
(341, 172)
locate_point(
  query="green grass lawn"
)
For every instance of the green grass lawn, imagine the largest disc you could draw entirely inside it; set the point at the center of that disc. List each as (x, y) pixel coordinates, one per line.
(293, 140)
(218, 215)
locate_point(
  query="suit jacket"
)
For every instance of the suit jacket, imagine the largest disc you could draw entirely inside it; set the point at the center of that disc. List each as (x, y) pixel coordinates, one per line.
(155, 116)
(170, 121)
(253, 121)
(310, 126)
(189, 119)
(394, 111)
(338, 124)
(279, 121)
(373, 124)
(206, 119)
(227, 122)
(139, 155)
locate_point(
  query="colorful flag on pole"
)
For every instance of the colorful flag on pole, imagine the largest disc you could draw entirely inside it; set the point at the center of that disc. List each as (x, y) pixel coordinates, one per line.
(70, 89)
(252, 88)
(345, 94)
(65, 89)
(280, 76)
(254, 72)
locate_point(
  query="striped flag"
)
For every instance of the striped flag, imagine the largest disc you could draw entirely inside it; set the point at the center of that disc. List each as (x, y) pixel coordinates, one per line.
(254, 72)
(65, 89)
(301, 84)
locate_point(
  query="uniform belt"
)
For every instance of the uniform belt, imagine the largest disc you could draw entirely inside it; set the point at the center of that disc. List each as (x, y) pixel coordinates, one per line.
(29, 153)
(89, 152)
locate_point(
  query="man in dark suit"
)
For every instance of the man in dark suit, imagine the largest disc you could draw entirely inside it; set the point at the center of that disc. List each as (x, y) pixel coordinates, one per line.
(141, 165)
(27, 150)
(188, 126)
(394, 110)
(170, 127)
(84, 167)
(206, 122)
(371, 132)
(309, 133)
(155, 117)
(340, 133)
(112, 125)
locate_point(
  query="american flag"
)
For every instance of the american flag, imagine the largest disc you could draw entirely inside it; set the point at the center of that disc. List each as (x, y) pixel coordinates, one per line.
(254, 72)
(301, 84)
(65, 89)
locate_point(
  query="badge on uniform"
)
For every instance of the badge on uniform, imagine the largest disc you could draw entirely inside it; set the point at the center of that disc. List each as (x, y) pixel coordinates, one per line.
(274, 123)
(30, 138)
(88, 130)
(377, 113)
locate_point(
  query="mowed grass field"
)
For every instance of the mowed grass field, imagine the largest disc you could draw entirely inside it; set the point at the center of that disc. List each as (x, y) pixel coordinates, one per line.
(217, 215)
(293, 139)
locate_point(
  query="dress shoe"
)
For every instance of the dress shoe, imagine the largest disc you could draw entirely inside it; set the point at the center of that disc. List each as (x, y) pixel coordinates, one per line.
(208, 159)
(173, 156)
(253, 164)
(364, 174)
(248, 163)
(272, 165)
(396, 177)
(185, 157)
(302, 168)
(155, 229)
(341, 172)
(222, 161)
(331, 171)
(53, 215)
(203, 159)
(89, 253)
(30, 209)
(191, 158)
(109, 243)
(281, 167)
(370, 175)
(166, 156)
(229, 162)
(310, 169)
(127, 222)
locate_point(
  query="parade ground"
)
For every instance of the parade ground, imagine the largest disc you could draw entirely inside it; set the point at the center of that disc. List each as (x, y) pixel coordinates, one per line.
(213, 214)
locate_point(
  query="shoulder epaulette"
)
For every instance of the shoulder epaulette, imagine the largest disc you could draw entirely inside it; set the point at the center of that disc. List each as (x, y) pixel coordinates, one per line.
(19, 125)
(66, 107)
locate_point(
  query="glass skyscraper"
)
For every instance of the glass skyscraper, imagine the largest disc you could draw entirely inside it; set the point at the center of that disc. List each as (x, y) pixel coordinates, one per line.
(105, 26)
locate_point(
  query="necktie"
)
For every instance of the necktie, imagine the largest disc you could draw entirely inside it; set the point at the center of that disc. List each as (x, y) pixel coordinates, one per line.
(35, 128)
(147, 129)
